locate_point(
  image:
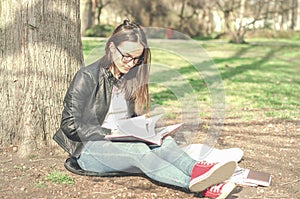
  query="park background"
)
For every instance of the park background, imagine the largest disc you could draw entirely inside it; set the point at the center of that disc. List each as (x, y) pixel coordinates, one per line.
(254, 44)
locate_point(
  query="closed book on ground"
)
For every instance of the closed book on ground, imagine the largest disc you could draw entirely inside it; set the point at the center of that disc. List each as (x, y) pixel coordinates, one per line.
(257, 177)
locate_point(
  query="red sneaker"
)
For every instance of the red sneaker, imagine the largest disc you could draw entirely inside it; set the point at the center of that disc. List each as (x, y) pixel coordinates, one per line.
(219, 191)
(205, 174)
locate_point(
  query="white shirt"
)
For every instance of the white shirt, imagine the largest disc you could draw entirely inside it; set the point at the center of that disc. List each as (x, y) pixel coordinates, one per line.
(117, 109)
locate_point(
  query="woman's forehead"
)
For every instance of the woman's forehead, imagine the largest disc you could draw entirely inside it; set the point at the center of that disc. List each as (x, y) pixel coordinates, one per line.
(132, 48)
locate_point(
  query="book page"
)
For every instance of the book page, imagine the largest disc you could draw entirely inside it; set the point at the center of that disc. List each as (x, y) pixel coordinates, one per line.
(133, 126)
(164, 131)
(150, 124)
(141, 129)
(138, 126)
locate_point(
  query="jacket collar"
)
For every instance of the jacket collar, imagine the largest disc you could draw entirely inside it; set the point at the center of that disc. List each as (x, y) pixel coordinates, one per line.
(108, 74)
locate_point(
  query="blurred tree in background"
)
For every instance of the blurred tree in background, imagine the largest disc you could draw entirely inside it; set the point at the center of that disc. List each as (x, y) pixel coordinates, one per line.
(197, 17)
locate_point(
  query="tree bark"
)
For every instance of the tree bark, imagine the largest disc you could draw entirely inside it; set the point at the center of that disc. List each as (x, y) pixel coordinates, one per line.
(40, 50)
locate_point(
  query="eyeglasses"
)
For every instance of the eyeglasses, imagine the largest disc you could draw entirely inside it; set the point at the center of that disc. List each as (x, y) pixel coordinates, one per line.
(127, 59)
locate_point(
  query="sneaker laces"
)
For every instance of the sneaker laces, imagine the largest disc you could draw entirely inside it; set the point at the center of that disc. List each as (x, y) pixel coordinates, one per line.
(216, 188)
(206, 163)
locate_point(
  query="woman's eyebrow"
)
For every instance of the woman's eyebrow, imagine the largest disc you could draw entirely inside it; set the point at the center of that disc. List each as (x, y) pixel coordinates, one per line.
(129, 55)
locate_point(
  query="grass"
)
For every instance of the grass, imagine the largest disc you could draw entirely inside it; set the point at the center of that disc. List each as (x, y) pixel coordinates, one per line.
(264, 77)
(261, 75)
(59, 178)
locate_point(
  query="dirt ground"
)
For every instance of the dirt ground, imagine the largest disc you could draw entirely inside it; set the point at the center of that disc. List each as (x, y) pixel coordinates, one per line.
(269, 145)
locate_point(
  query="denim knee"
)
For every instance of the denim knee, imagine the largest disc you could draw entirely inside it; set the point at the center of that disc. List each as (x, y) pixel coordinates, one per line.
(140, 147)
(169, 141)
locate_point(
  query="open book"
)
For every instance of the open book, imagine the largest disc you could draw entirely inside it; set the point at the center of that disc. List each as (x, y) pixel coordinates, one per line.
(141, 129)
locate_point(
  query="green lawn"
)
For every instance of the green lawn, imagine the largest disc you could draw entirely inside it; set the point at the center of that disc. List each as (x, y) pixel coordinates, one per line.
(262, 77)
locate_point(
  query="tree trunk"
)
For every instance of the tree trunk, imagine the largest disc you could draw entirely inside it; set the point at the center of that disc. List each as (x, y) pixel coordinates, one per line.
(99, 14)
(87, 15)
(181, 14)
(100, 6)
(298, 16)
(40, 50)
(293, 14)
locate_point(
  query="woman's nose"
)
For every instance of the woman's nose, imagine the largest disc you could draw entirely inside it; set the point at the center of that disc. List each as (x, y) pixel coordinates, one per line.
(131, 63)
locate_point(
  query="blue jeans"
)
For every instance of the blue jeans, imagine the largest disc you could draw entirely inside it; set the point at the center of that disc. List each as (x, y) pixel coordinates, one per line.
(166, 163)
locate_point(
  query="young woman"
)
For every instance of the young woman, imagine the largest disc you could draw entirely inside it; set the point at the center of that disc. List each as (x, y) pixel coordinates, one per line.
(116, 87)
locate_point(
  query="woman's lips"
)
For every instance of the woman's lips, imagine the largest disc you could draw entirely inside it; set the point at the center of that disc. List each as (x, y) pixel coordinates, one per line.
(126, 68)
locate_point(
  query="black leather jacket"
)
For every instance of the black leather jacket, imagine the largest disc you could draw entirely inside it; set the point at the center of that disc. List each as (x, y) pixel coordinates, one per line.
(85, 107)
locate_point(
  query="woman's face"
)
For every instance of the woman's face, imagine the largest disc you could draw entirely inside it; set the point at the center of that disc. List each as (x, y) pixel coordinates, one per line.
(126, 55)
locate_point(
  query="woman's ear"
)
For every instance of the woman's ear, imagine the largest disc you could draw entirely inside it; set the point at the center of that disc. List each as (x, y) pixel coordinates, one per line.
(111, 47)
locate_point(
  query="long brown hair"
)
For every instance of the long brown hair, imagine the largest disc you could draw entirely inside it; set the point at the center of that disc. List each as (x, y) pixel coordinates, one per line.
(135, 82)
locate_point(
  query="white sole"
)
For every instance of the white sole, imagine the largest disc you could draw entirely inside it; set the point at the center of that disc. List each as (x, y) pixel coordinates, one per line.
(225, 193)
(216, 175)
